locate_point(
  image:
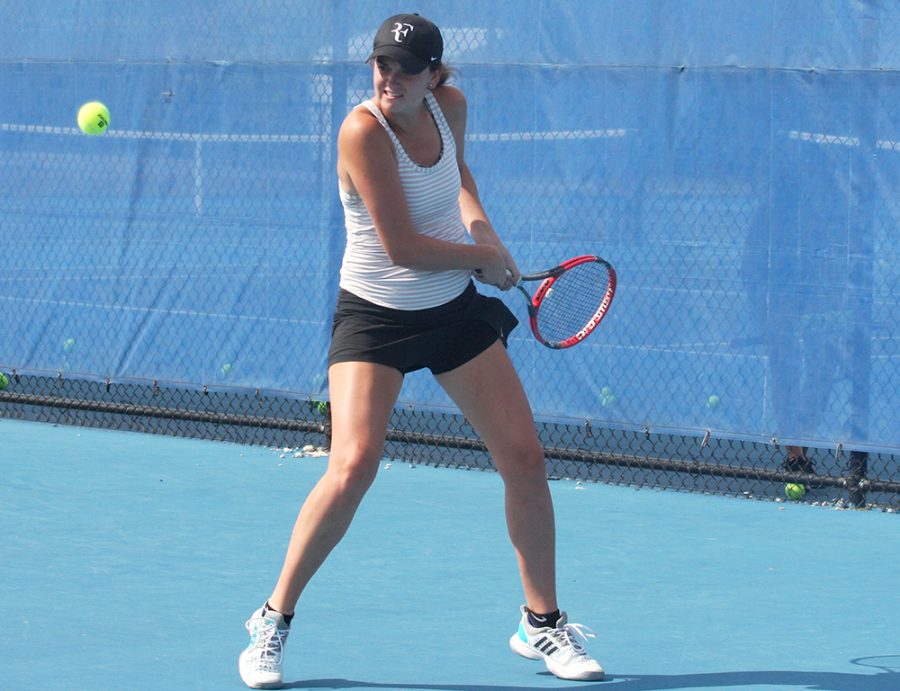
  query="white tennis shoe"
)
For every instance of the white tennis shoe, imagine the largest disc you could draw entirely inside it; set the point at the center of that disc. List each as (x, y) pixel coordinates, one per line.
(260, 663)
(561, 648)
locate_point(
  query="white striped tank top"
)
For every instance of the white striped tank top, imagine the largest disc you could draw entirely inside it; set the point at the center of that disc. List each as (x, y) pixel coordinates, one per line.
(432, 195)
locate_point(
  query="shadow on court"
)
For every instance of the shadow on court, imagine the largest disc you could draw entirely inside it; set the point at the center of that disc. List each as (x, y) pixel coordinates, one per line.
(782, 679)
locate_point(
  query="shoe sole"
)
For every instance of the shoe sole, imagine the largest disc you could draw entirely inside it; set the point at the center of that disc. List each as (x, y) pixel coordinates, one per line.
(520, 647)
(263, 685)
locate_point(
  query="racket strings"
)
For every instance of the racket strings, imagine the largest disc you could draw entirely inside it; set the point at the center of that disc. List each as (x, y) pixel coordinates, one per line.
(572, 301)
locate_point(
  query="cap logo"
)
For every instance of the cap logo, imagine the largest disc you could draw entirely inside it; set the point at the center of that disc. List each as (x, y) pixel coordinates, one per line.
(401, 30)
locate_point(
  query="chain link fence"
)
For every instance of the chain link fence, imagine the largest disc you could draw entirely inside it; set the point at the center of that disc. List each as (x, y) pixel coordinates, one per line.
(578, 451)
(177, 274)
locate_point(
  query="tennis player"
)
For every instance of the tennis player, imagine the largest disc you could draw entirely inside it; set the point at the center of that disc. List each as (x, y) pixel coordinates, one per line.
(416, 232)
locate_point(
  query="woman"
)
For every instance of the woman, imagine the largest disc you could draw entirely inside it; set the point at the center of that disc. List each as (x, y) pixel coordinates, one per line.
(406, 302)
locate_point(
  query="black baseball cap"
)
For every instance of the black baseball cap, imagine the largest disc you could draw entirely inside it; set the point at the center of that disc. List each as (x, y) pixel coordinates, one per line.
(410, 39)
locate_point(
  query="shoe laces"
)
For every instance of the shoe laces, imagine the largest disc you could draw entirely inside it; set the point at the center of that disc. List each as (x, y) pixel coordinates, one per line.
(574, 636)
(269, 644)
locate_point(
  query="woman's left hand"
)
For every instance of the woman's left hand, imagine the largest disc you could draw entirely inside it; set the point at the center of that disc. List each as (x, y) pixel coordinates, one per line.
(512, 270)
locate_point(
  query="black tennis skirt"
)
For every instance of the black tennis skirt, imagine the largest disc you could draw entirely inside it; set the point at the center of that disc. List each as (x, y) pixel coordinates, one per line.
(440, 338)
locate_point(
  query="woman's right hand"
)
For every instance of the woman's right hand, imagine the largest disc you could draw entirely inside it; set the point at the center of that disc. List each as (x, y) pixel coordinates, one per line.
(494, 271)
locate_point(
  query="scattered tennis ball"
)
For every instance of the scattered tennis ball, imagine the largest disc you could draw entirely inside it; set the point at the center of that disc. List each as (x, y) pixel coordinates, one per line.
(68, 344)
(93, 118)
(4, 381)
(794, 491)
(225, 369)
(712, 401)
(608, 398)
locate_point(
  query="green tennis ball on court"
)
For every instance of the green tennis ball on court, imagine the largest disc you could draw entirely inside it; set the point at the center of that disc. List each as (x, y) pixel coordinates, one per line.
(794, 490)
(225, 369)
(93, 118)
(4, 381)
(322, 407)
(712, 401)
(68, 344)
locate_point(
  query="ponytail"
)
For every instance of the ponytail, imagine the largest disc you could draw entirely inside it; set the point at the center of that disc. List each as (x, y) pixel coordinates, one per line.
(445, 73)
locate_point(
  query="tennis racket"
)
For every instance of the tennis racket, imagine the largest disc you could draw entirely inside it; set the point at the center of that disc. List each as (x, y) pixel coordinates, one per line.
(571, 300)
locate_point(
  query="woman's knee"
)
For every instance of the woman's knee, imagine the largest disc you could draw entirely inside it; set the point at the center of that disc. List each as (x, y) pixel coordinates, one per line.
(353, 473)
(522, 461)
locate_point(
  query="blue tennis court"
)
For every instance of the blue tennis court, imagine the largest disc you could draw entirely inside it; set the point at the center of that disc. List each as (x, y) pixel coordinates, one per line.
(130, 561)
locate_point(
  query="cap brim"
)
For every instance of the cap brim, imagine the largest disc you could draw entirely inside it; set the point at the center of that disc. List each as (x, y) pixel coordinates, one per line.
(408, 62)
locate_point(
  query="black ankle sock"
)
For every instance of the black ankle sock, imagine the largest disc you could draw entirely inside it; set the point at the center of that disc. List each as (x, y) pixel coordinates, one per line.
(540, 620)
(287, 617)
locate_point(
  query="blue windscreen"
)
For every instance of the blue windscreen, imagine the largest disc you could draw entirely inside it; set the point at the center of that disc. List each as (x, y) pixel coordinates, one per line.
(738, 163)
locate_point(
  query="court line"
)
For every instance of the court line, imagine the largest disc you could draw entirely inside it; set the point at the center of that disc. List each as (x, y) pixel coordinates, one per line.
(842, 140)
(551, 135)
(541, 135)
(173, 136)
(155, 310)
(547, 135)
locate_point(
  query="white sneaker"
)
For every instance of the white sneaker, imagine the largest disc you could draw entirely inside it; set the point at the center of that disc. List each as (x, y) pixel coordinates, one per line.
(260, 663)
(561, 648)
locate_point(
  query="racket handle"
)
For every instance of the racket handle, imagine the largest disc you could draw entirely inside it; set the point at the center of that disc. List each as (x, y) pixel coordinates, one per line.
(508, 273)
(517, 284)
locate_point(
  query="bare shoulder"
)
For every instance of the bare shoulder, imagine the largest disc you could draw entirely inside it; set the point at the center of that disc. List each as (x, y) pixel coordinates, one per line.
(453, 102)
(362, 146)
(359, 128)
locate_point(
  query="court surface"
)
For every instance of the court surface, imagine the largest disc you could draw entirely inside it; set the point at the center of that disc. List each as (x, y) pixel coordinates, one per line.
(130, 561)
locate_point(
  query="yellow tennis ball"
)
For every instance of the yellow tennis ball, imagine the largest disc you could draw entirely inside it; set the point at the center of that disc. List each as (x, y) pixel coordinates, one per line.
(794, 490)
(4, 381)
(93, 118)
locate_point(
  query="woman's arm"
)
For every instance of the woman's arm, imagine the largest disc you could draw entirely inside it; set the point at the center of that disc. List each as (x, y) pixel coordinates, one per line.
(367, 165)
(453, 103)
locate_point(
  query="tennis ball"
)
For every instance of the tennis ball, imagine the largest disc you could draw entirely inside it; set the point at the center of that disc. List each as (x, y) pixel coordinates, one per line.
(322, 407)
(794, 490)
(4, 381)
(225, 369)
(607, 397)
(712, 401)
(93, 118)
(68, 344)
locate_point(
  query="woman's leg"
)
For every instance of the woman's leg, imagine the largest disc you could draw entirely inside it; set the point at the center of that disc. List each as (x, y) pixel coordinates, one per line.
(362, 398)
(488, 392)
